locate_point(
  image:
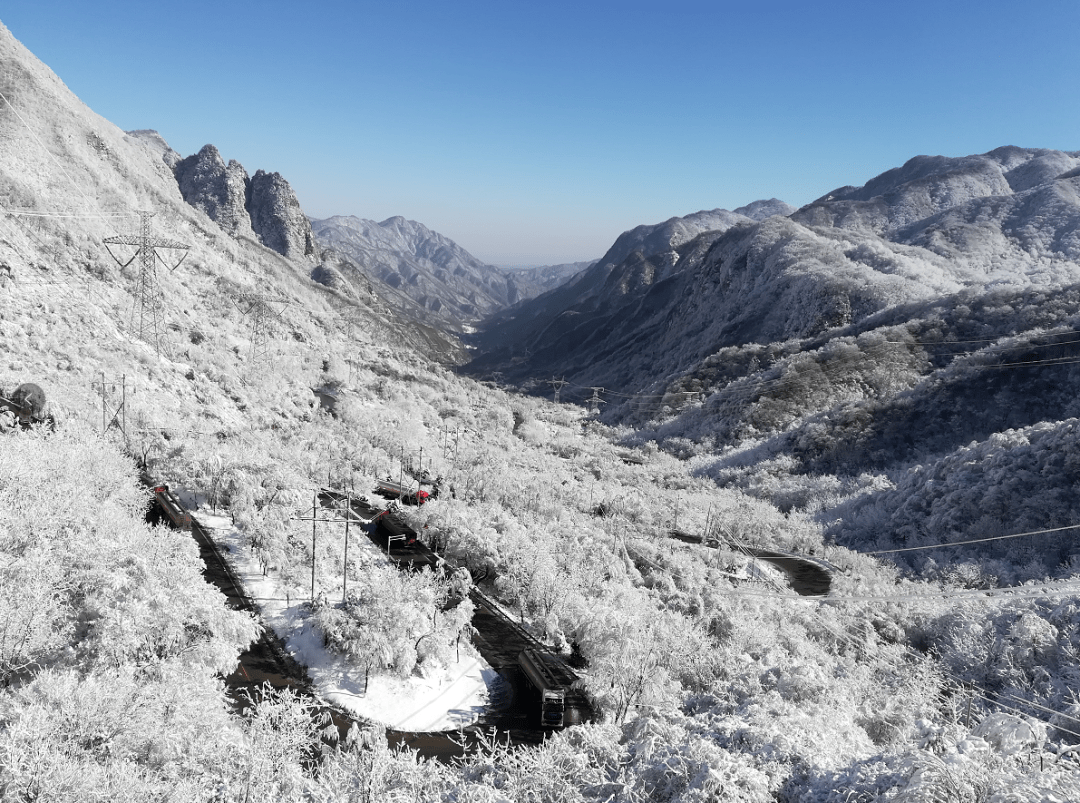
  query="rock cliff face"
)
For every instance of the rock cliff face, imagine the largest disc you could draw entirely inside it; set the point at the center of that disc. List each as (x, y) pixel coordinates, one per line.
(219, 190)
(263, 206)
(276, 216)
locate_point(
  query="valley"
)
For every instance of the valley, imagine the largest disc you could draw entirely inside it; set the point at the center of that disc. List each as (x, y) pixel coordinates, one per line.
(791, 491)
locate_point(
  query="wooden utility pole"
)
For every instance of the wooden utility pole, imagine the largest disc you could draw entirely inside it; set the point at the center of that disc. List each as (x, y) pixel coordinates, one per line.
(345, 561)
(118, 417)
(314, 519)
(314, 503)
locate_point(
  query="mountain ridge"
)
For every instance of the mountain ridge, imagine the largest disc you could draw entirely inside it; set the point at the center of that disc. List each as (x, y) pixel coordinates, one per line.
(933, 227)
(443, 281)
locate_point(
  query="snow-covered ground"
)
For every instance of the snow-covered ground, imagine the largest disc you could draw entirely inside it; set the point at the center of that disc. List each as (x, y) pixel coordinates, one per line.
(444, 700)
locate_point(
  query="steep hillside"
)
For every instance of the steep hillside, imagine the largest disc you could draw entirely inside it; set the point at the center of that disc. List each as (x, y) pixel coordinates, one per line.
(69, 180)
(558, 330)
(547, 277)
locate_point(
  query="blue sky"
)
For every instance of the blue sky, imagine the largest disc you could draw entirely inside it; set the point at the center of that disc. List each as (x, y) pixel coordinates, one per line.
(535, 133)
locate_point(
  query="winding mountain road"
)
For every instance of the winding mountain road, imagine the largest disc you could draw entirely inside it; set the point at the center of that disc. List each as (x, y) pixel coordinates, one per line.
(808, 576)
(267, 662)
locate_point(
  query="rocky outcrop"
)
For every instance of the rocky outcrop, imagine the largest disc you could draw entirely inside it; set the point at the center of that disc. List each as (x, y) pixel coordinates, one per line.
(276, 216)
(155, 142)
(218, 189)
(263, 206)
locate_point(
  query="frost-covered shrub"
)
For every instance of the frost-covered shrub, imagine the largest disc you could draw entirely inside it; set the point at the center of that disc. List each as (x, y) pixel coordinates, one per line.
(393, 621)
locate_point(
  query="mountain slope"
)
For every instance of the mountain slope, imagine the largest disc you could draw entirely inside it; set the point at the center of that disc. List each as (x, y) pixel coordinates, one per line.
(444, 281)
(560, 320)
(69, 180)
(535, 281)
(933, 227)
(115, 681)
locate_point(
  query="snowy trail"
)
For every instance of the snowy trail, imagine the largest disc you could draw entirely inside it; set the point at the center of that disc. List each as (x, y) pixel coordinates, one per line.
(454, 700)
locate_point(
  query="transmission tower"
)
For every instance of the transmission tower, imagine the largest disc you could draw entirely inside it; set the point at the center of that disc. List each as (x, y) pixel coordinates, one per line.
(260, 310)
(595, 401)
(558, 385)
(147, 311)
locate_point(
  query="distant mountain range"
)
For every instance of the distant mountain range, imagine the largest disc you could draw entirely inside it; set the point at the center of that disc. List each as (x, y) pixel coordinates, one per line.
(666, 297)
(420, 274)
(443, 282)
(542, 278)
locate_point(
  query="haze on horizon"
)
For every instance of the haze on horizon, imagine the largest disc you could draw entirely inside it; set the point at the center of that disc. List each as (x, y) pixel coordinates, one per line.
(536, 135)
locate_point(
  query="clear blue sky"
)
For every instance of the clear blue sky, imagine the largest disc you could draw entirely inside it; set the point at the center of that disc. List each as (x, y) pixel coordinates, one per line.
(535, 133)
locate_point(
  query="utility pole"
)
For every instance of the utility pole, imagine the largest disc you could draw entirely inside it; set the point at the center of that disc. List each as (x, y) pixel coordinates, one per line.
(117, 417)
(314, 519)
(147, 310)
(345, 560)
(595, 401)
(314, 503)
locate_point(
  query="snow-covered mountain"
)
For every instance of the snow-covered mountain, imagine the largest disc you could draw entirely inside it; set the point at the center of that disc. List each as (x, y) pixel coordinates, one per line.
(445, 282)
(70, 180)
(262, 207)
(665, 298)
(639, 259)
(924, 390)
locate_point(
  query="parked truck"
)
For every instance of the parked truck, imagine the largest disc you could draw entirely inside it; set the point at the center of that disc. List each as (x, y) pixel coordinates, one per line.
(389, 489)
(544, 674)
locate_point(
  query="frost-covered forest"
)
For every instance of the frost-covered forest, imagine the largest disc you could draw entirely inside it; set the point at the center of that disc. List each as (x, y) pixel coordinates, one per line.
(945, 672)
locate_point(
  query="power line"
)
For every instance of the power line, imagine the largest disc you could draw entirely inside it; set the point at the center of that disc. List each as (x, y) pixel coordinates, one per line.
(961, 685)
(976, 595)
(752, 387)
(557, 385)
(595, 401)
(49, 153)
(972, 541)
(747, 389)
(30, 213)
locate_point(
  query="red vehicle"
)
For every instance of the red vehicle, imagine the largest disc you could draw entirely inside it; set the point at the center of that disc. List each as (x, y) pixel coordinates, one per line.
(172, 507)
(388, 489)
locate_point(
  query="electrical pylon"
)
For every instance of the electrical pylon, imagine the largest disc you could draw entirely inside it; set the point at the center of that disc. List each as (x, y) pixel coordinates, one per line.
(259, 309)
(558, 385)
(595, 401)
(147, 310)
